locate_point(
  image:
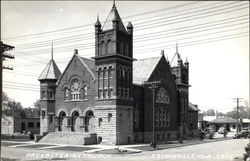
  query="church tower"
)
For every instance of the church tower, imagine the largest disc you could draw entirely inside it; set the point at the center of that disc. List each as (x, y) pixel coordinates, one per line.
(114, 67)
(48, 79)
(180, 73)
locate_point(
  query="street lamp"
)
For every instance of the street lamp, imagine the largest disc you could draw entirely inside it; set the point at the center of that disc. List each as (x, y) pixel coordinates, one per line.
(153, 86)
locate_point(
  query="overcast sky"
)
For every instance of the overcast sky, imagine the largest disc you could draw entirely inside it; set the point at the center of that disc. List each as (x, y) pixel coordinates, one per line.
(214, 36)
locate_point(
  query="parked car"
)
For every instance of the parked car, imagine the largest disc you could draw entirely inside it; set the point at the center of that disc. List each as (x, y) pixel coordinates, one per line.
(242, 134)
(221, 130)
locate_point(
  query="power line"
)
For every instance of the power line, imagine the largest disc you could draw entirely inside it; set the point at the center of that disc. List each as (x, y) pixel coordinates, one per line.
(220, 38)
(167, 17)
(87, 25)
(92, 46)
(11, 82)
(184, 44)
(136, 36)
(145, 38)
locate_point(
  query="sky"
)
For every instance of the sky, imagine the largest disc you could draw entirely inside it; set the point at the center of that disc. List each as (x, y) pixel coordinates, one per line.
(212, 35)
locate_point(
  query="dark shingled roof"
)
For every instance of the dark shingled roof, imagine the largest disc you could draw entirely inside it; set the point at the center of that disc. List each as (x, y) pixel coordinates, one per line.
(192, 107)
(143, 68)
(89, 64)
(51, 71)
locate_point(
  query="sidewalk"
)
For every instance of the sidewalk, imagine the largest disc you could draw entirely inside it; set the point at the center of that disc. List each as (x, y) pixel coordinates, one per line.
(100, 148)
(174, 144)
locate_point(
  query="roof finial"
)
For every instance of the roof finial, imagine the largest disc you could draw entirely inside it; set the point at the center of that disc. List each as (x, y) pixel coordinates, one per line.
(52, 51)
(176, 48)
(113, 3)
(162, 52)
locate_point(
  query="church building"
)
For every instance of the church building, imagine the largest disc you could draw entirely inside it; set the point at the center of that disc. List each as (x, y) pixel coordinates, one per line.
(109, 98)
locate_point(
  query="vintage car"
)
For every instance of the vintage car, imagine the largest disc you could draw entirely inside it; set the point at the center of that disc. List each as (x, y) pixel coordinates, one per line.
(242, 134)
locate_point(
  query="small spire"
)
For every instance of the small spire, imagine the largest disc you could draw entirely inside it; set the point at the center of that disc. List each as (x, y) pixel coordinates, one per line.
(176, 47)
(176, 52)
(162, 52)
(167, 59)
(186, 62)
(52, 51)
(97, 21)
(76, 51)
(113, 3)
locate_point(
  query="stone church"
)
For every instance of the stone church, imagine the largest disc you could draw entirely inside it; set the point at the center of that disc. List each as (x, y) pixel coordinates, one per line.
(106, 99)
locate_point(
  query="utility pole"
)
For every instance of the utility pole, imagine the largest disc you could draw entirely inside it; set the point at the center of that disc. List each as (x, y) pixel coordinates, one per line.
(237, 113)
(153, 85)
(3, 56)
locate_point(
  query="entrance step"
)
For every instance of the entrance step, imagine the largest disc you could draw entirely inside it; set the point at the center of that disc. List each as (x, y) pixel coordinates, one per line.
(73, 138)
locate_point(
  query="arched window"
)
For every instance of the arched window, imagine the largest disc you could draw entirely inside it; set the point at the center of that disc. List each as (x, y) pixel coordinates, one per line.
(124, 49)
(118, 47)
(102, 48)
(43, 94)
(174, 76)
(110, 76)
(162, 117)
(162, 96)
(75, 89)
(108, 47)
(105, 81)
(66, 93)
(100, 82)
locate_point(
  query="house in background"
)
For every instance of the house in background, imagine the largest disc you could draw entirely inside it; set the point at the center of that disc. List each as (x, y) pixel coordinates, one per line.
(19, 123)
(223, 121)
(193, 111)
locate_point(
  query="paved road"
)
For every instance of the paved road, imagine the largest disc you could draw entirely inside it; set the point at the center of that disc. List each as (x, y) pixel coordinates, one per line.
(215, 151)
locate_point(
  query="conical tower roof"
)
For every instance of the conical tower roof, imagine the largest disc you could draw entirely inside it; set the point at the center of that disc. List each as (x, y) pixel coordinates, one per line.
(113, 16)
(51, 71)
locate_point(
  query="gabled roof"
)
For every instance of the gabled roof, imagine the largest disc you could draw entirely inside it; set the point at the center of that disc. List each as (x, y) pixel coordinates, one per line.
(51, 71)
(113, 15)
(192, 107)
(143, 68)
(88, 63)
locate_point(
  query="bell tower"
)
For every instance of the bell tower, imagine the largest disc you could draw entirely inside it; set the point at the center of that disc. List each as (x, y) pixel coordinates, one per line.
(48, 79)
(180, 73)
(114, 67)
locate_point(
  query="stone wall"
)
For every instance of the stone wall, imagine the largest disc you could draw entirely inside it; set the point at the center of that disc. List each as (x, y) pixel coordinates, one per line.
(7, 125)
(114, 123)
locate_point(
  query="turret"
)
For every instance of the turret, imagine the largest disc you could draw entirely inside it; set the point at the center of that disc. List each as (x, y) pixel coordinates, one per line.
(98, 25)
(130, 28)
(48, 79)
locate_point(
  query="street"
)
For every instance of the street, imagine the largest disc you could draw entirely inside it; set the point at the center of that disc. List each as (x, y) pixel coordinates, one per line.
(218, 150)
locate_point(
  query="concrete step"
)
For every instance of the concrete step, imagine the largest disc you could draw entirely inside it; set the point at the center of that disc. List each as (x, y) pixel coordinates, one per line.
(73, 138)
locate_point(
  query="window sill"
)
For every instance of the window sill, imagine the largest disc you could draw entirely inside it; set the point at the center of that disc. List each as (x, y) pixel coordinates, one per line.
(76, 100)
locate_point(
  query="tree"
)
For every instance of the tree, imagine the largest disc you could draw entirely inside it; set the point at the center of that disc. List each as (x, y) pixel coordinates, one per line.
(11, 107)
(244, 112)
(37, 104)
(209, 112)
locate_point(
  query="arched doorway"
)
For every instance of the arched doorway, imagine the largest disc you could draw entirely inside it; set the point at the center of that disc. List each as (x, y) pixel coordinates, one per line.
(89, 121)
(62, 115)
(75, 116)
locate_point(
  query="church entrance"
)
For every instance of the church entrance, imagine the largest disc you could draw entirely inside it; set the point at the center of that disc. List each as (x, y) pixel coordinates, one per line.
(89, 121)
(75, 122)
(62, 116)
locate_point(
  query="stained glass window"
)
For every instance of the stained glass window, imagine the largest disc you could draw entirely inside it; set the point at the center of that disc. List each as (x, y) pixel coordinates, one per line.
(162, 96)
(75, 90)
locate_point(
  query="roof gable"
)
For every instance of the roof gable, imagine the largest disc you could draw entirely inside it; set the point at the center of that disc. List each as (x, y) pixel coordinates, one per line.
(87, 63)
(143, 68)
